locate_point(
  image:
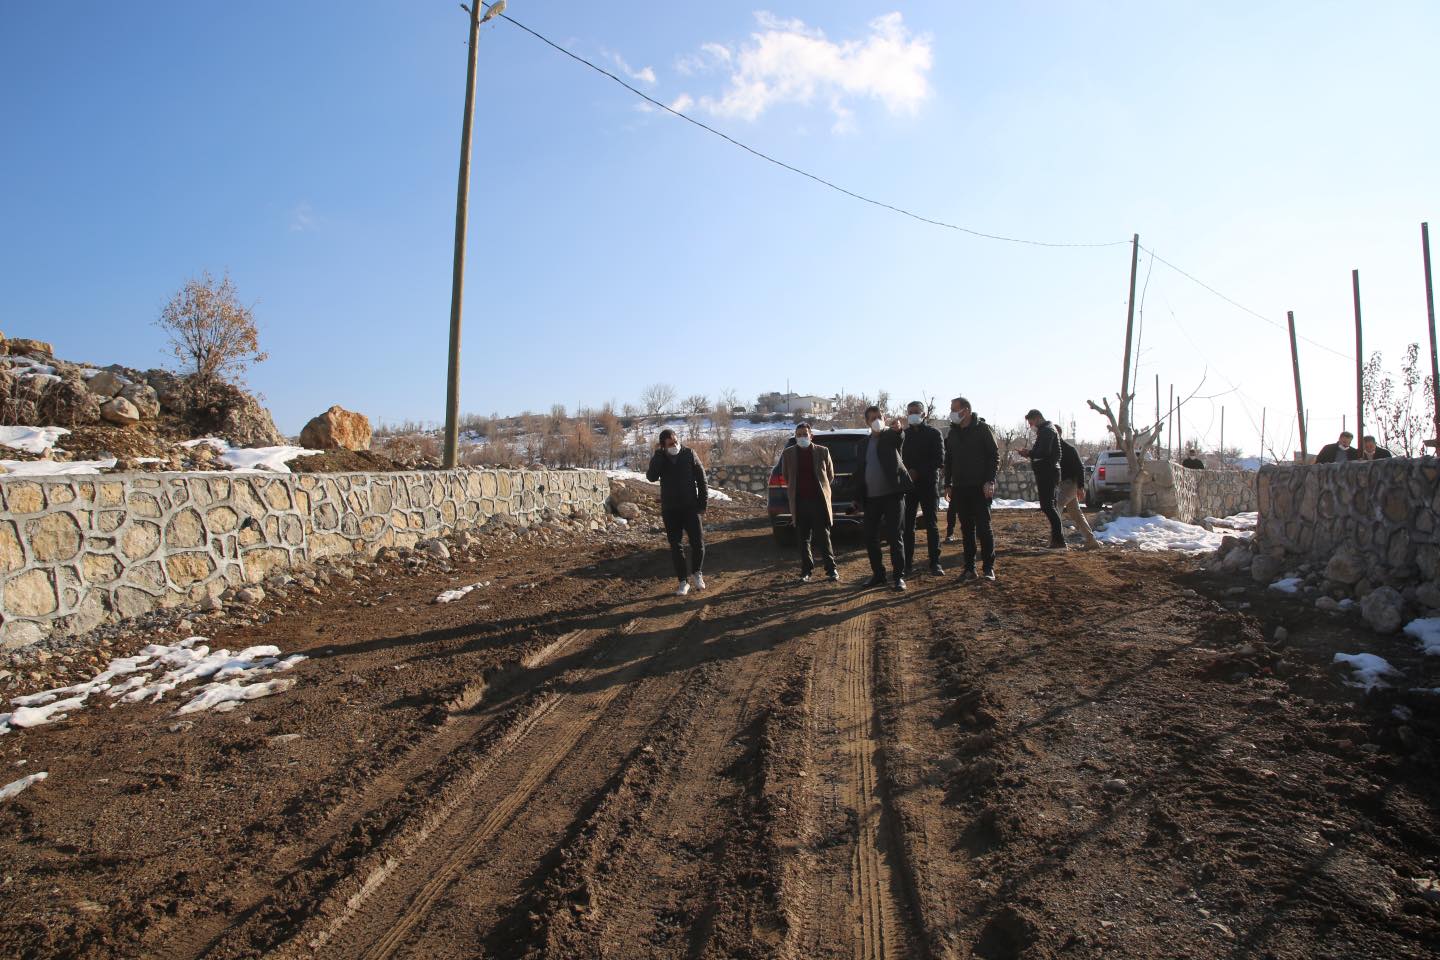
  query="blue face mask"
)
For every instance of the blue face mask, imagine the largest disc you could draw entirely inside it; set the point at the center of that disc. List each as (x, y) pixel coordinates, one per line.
(802, 441)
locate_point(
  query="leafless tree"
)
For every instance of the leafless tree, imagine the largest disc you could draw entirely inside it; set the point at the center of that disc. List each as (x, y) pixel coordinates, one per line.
(657, 397)
(1392, 404)
(211, 332)
(1135, 441)
(697, 404)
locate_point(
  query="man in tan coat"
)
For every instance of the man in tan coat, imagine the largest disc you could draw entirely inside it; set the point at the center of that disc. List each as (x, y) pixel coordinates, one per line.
(808, 471)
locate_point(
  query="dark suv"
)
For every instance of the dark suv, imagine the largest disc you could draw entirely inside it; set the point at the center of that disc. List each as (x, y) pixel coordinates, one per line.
(842, 445)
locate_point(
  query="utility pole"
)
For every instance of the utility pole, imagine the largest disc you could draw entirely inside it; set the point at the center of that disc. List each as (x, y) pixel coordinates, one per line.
(1125, 391)
(457, 276)
(1262, 436)
(1157, 398)
(1430, 309)
(1222, 437)
(1170, 427)
(1359, 365)
(1299, 402)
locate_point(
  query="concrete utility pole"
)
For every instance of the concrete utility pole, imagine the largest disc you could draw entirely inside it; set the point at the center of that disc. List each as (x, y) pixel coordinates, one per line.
(1299, 402)
(457, 276)
(1430, 309)
(1359, 366)
(1125, 392)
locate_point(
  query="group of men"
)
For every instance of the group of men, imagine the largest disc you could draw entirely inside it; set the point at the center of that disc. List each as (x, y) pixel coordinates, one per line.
(902, 468)
(1341, 450)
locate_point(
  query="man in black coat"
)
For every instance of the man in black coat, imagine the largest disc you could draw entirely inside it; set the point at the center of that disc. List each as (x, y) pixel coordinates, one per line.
(1370, 450)
(1044, 456)
(683, 498)
(880, 482)
(924, 454)
(1340, 451)
(971, 459)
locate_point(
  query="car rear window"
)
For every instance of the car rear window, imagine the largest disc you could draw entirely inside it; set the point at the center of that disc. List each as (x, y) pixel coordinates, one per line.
(843, 450)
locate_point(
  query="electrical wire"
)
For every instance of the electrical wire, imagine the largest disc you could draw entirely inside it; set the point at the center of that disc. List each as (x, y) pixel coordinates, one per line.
(782, 164)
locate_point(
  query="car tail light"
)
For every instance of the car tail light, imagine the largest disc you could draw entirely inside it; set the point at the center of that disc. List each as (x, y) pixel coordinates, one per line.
(777, 480)
(1101, 472)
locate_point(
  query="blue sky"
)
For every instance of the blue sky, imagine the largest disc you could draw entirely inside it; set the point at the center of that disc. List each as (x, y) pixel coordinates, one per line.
(310, 149)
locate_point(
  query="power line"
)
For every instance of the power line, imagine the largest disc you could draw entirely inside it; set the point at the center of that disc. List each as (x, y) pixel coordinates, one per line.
(782, 164)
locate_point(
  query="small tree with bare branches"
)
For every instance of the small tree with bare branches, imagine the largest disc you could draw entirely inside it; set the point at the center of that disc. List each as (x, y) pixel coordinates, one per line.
(657, 397)
(211, 332)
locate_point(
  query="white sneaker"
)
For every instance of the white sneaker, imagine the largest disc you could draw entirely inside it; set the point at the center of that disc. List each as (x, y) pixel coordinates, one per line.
(698, 580)
(683, 589)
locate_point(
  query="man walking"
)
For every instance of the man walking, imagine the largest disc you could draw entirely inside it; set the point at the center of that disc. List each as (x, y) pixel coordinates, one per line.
(1072, 485)
(971, 459)
(1340, 451)
(1044, 457)
(924, 453)
(808, 471)
(683, 497)
(880, 485)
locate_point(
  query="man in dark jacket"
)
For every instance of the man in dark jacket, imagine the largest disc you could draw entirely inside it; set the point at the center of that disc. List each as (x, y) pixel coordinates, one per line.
(683, 497)
(880, 483)
(971, 459)
(1340, 451)
(1370, 450)
(924, 452)
(1072, 487)
(1044, 456)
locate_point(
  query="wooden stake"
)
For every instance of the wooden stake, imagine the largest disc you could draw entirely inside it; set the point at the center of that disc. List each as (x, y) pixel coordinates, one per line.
(1430, 310)
(1299, 401)
(1359, 365)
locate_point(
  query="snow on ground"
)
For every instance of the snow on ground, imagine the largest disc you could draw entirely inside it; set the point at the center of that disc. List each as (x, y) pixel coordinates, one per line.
(1159, 533)
(155, 671)
(53, 468)
(1288, 585)
(636, 476)
(31, 439)
(253, 458)
(1238, 522)
(27, 368)
(10, 790)
(450, 596)
(1370, 670)
(1427, 631)
(1000, 503)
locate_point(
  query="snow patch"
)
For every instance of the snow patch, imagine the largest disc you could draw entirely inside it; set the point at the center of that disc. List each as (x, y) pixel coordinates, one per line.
(450, 596)
(1288, 585)
(54, 468)
(1427, 631)
(31, 439)
(11, 790)
(275, 459)
(1370, 670)
(1239, 521)
(1153, 534)
(637, 477)
(1000, 503)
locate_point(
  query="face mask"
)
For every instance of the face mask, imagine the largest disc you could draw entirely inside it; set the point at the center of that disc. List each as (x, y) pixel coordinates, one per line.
(673, 451)
(915, 419)
(877, 424)
(802, 441)
(956, 416)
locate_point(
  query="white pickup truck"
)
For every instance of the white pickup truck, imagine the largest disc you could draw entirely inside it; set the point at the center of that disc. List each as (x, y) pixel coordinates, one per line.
(1109, 479)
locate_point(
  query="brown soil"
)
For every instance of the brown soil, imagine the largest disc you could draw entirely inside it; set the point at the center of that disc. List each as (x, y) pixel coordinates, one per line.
(1090, 757)
(344, 461)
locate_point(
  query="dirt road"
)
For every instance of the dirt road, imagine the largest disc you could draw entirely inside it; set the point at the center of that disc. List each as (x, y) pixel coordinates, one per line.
(1093, 756)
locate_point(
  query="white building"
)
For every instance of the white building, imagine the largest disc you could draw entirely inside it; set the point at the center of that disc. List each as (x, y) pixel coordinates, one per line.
(796, 404)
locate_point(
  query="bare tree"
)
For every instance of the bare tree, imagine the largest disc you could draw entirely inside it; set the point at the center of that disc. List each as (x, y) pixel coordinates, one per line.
(1133, 440)
(697, 404)
(1398, 426)
(722, 425)
(657, 397)
(211, 332)
(614, 432)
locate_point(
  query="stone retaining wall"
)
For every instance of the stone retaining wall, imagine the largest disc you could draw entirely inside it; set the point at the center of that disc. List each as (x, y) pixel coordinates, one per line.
(77, 551)
(1386, 513)
(1009, 484)
(1192, 495)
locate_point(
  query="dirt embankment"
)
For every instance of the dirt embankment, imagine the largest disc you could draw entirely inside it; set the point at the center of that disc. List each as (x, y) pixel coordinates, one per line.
(1093, 756)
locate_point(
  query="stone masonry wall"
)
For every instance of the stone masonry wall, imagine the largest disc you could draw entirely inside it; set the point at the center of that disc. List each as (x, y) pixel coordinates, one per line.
(1192, 495)
(1386, 513)
(1009, 484)
(76, 551)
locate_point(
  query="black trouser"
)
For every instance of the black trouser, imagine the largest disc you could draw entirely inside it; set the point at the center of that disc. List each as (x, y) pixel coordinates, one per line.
(1046, 481)
(882, 519)
(951, 515)
(974, 509)
(812, 522)
(680, 521)
(925, 503)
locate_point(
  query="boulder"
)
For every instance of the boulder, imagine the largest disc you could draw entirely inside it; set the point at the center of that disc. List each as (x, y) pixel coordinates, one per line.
(68, 404)
(121, 411)
(628, 511)
(24, 345)
(434, 548)
(1264, 568)
(144, 399)
(337, 428)
(245, 423)
(1428, 595)
(106, 384)
(1384, 609)
(1345, 567)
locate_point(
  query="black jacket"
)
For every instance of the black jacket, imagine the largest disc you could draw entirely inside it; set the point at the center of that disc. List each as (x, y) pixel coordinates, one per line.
(971, 454)
(1333, 453)
(891, 460)
(682, 480)
(924, 452)
(1070, 466)
(1045, 451)
(1381, 454)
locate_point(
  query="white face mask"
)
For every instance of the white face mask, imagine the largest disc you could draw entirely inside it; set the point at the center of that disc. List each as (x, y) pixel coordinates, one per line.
(956, 416)
(802, 441)
(877, 424)
(673, 451)
(916, 419)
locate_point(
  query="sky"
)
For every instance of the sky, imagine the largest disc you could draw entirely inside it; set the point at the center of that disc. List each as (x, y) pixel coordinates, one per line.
(310, 150)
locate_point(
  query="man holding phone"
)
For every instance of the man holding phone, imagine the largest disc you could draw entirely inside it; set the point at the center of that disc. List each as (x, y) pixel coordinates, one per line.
(881, 483)
(972, 458)
(683, 497)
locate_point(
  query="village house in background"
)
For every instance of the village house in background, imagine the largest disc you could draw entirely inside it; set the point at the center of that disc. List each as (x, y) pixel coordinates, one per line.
(794, 403)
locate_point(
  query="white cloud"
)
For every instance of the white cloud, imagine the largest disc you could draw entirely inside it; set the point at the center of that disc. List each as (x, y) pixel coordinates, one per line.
(644, 75)
(682, 103)
(786, 61)
(302, 218)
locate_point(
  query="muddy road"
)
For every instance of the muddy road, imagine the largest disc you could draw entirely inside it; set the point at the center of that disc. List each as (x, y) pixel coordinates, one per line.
(1094, 756)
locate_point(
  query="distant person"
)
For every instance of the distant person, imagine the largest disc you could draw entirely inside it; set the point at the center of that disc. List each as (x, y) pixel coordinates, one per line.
(972, 458)
(1192, 460)
(1044, 457)
(808, 471)
(1072, 486)
(1370, 450)
(924, 455)
(683, 498)
(881, 483)
(1340, 451)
